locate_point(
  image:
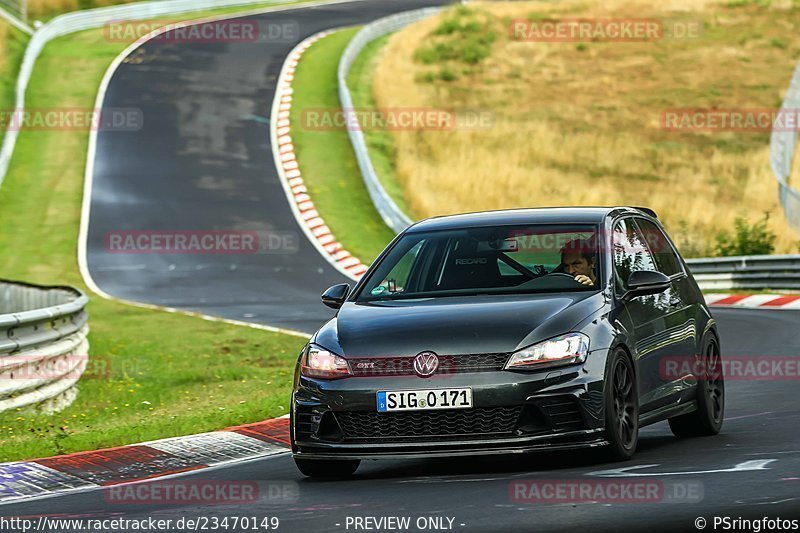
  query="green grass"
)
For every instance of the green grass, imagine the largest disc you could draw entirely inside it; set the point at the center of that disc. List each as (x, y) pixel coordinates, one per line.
(13, 48)
(170, 374)
(326, 158)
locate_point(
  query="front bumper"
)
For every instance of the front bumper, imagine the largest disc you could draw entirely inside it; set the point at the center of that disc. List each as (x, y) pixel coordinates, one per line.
(422, 450)
(513, 412)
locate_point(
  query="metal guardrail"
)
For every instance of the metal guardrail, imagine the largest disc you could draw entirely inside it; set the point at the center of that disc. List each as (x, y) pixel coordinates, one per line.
(17, 8)
(781, 152)
(15, 14)
(756, 272)
(95, 18)
(391, 214)
(43, 344)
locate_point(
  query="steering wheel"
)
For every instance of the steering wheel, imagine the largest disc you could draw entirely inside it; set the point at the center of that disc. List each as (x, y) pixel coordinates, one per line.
(563, 274)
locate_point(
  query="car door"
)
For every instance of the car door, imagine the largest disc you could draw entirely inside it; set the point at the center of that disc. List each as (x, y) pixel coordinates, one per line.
(652, 324)
(681, 300)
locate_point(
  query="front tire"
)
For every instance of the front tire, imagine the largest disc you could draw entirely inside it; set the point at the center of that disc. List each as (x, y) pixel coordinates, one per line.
(330, 469)
(707, 419)
(621, 408)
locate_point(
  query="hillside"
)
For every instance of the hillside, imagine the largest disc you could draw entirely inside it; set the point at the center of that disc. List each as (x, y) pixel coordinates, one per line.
(585, 123)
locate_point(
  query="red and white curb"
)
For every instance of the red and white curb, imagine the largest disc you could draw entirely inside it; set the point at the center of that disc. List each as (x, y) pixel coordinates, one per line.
(754, 301)
(84, 471)
(291, 178)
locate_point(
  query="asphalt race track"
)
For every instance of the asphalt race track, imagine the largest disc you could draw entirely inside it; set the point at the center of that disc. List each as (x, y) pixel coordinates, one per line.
(203, 162)
(759, 435)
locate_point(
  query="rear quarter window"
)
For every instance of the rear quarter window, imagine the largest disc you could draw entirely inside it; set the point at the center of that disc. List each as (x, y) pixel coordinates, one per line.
(664, 254)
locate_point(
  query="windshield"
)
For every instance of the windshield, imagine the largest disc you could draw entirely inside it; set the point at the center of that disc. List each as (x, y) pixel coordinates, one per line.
(487, 260)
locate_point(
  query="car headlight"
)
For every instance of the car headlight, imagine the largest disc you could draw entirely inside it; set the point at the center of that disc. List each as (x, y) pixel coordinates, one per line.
(317, 362)
(563, 350)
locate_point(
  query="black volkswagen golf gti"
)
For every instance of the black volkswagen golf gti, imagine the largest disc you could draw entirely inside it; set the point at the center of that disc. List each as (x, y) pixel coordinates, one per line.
(508, 332)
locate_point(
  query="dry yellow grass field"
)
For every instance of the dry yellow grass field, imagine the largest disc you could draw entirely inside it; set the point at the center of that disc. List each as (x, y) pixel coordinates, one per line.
(581, 123)
(3, 45)
(41, 8)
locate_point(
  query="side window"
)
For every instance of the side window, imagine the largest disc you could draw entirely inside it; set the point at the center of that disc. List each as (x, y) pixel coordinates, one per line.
(665, 256)
(630, 253)
(397, 279)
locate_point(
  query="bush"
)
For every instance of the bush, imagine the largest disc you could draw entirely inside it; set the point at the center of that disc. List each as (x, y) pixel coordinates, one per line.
(465, 36)
(447, 75)
(756, 239)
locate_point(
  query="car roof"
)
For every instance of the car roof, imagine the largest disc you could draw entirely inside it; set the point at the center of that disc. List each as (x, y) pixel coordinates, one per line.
(538, 215)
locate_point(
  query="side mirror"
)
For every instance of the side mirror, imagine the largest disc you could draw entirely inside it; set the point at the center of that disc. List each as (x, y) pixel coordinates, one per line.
(644, 282)
(335, 296)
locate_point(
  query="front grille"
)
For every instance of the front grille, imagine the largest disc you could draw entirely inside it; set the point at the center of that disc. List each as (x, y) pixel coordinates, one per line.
(448, 364)
(368, 426)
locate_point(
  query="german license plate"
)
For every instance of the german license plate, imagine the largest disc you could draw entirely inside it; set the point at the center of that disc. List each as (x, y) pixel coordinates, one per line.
(426, 399)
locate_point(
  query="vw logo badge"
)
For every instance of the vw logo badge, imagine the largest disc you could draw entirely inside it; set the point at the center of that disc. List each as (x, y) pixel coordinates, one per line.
(425, 364)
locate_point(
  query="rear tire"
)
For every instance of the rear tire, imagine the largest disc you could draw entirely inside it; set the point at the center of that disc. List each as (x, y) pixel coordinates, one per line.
(322, 468)
(621, 408)
(707, 419)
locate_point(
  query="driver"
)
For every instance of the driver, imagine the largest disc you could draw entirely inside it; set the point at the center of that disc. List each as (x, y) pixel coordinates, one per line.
(578, 260)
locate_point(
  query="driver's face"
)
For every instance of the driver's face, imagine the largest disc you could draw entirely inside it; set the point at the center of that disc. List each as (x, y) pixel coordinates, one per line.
(575, 265)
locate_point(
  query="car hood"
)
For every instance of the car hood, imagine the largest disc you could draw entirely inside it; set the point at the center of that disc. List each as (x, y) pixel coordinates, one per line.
(455, 325)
